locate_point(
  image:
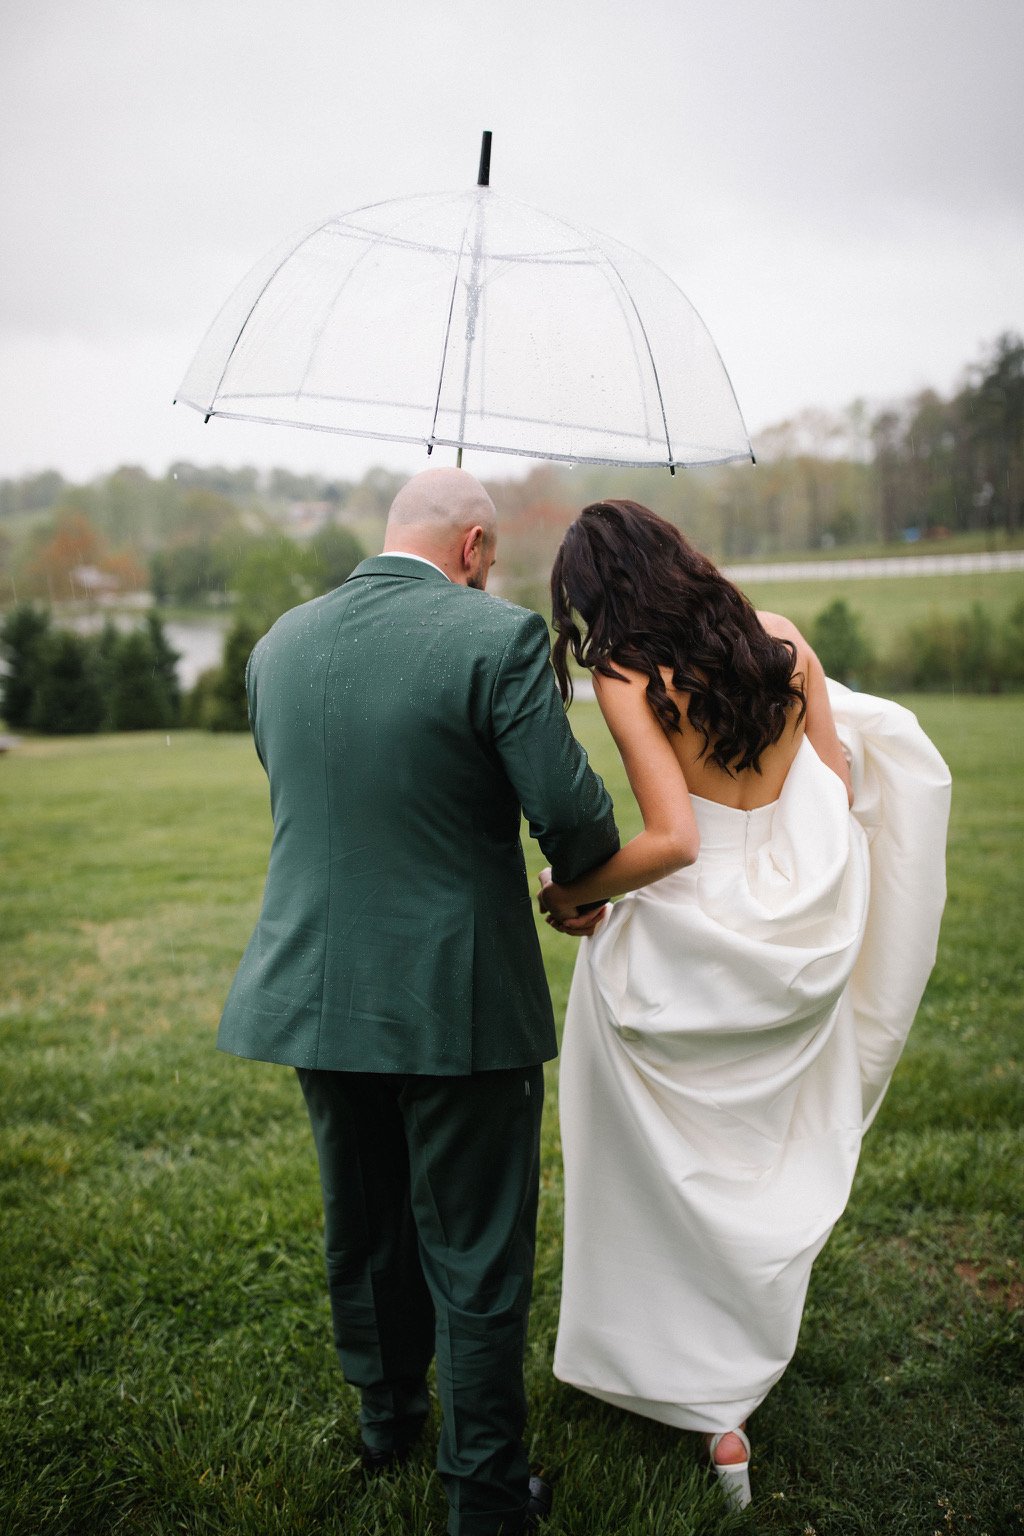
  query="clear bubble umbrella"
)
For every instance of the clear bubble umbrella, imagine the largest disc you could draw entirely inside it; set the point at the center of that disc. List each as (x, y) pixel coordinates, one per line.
(472, 320)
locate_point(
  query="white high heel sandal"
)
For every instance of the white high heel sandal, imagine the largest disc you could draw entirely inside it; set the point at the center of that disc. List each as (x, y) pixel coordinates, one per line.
(733, 1476)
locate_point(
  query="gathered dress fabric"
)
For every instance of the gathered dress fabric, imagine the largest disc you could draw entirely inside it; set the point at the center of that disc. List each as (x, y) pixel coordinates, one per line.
(730, 1034)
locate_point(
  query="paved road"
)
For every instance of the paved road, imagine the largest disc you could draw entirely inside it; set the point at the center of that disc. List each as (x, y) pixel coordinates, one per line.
(884, 565)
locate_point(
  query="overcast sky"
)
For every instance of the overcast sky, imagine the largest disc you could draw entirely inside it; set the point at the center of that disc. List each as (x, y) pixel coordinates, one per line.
(838, 187)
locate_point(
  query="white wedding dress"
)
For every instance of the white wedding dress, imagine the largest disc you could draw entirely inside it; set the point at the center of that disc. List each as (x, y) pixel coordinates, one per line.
(731, 1031)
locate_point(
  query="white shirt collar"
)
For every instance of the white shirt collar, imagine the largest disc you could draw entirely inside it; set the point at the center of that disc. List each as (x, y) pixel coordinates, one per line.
(403, 554)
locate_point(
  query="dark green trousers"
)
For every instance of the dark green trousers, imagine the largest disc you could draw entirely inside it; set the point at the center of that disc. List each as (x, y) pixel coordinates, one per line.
(430, 1210)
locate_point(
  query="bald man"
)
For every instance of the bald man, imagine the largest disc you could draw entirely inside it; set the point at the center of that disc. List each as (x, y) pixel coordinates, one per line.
(405, 721)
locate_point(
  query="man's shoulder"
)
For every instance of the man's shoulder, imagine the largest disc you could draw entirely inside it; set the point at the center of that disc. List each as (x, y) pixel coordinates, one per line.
(302, 620)
(472, 621)
(487, 612)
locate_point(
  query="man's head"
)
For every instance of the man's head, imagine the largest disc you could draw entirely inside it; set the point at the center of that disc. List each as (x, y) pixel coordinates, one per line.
(445, 516)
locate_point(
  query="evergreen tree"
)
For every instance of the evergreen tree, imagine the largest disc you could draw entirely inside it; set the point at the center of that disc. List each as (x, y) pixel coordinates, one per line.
(23, 635)
(138, 697)
(68, 700)
(925, 654)
(159, 578)
(199, 707)
(166, 659)
(840, 645)
(228, 708)
(976, 651)
(105, 649)
(1011, 646)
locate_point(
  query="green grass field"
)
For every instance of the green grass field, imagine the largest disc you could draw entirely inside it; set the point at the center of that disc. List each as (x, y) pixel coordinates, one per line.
(886, 605)
(166, 1357)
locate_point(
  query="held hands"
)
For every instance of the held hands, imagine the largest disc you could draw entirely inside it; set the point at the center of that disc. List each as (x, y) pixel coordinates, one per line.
(561, 914)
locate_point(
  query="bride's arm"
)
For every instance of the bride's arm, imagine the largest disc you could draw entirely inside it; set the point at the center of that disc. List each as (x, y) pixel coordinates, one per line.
(670, 839)
(820, 725)
(819, 722)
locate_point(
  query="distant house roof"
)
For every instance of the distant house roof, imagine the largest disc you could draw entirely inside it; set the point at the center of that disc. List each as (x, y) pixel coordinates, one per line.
(91, 579)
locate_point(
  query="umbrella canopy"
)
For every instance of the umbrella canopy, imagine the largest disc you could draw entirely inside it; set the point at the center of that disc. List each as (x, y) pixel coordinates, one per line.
(472, 320)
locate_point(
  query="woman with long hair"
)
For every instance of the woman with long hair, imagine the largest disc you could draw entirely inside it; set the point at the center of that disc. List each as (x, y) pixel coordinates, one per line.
(734, 1020)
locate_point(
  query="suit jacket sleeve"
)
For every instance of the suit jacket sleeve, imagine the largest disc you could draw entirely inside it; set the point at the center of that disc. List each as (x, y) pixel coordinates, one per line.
(566, 804)
(250, 703)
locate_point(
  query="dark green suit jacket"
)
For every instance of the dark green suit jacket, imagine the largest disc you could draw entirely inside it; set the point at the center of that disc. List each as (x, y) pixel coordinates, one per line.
(404, 722)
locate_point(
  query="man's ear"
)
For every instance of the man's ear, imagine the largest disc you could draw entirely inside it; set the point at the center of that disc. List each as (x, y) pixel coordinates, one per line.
(471, 546)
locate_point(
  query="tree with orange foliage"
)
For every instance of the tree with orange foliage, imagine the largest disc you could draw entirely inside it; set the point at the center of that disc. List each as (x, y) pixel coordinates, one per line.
(126, 570)
(74, 543)
(61, 567)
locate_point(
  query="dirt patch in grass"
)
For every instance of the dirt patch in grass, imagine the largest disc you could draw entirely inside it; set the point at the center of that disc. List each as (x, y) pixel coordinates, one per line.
(1001, 1287)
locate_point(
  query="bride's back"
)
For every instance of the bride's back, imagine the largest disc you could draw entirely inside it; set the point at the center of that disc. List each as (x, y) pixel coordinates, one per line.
(745, 789)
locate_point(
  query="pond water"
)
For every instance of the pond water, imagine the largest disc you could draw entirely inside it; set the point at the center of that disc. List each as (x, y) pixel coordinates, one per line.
(199, 643)
(199, 647)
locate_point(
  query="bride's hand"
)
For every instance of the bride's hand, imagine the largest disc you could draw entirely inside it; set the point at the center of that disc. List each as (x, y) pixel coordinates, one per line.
(561, 913)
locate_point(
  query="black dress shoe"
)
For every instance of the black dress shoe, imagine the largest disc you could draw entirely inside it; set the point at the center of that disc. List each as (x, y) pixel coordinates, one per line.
(375, 1461)
(538, 1505)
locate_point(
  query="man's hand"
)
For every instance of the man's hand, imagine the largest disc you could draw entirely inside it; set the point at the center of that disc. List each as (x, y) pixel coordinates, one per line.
(581, 927)
(561, 915)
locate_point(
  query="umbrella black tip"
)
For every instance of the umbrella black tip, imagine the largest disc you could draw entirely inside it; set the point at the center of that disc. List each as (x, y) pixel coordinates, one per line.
(484, 174)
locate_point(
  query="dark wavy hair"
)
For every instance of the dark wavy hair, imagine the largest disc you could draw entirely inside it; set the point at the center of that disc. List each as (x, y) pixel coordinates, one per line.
(647, 599)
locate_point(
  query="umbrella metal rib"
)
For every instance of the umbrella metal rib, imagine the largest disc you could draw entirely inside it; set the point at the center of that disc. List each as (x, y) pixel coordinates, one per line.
(227, 361)
(650, 354)
(450, 442)
(417, 405)
(448, 331)
(485, 447)
(573, 256)
(382, 237)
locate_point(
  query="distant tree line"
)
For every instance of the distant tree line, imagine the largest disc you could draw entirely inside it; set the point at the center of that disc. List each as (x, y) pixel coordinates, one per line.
(60, 682)
(185, 536)
(969, 651)
(923, 467)
(258, 543)
(957, 463)
(926, 467)
(63, 684)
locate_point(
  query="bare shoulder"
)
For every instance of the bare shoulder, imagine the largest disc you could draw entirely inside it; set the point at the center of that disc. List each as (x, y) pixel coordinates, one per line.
(622, 699)
(780, 627)
(606, 687)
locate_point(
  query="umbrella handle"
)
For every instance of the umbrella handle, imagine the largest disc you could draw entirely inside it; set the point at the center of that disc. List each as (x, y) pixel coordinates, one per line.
(483, 178)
